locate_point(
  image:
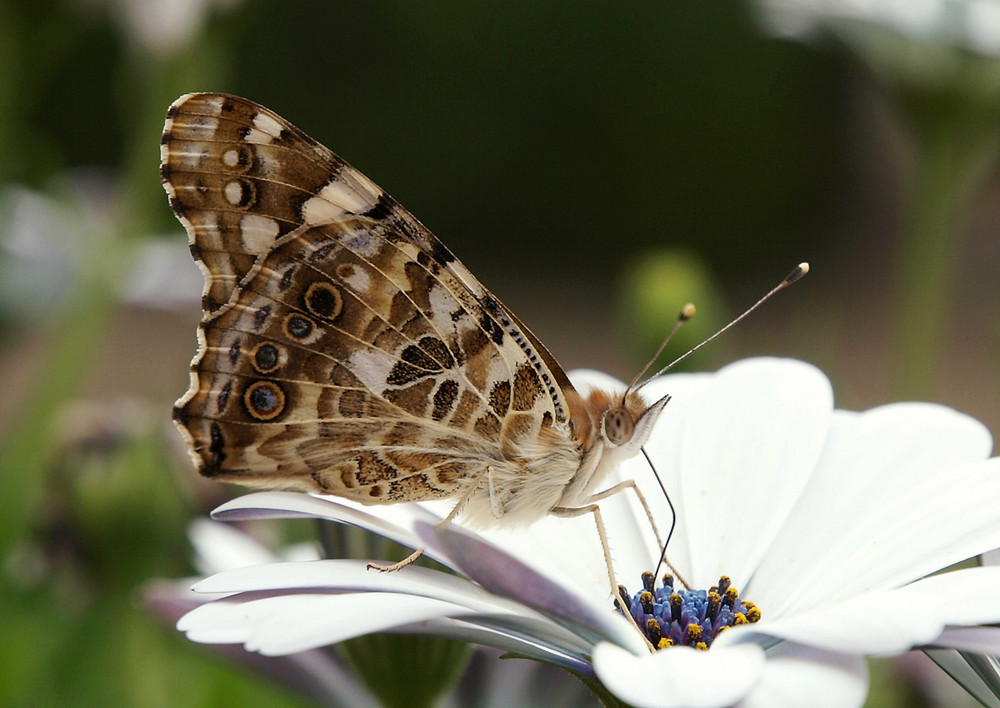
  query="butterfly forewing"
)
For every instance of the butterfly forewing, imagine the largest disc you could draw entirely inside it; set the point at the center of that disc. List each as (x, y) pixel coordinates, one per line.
(344, 349)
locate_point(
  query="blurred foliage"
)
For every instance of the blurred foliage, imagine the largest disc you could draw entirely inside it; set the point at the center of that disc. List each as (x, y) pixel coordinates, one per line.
(546, 143)
(431, 666)
(582, 118)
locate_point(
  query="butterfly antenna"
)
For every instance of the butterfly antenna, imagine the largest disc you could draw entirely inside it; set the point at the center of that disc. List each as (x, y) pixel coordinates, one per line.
(687, 312)
(800, 270)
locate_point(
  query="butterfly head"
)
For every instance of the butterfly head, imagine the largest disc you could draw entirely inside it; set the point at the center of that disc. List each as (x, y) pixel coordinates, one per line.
(627, 425)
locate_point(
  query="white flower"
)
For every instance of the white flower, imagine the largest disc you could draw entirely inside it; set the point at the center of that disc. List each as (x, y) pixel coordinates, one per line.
(161, 27)
(46, 237)
(827, 520)
(946, 47)
(52, 242)
(971, 24)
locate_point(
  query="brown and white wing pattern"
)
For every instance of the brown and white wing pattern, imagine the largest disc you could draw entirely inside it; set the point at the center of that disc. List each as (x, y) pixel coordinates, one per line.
(343, 348)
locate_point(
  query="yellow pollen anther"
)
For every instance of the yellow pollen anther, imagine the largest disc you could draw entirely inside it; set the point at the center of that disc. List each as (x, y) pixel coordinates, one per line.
(664, 643)
(740, 618)
(694, 632)
(701, 646)
(753, 614)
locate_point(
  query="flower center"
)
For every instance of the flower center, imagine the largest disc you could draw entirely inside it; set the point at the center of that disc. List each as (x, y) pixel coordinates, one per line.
(691, 618)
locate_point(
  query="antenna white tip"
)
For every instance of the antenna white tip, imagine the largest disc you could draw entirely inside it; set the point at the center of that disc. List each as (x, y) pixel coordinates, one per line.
(800, 270)
(688, 310)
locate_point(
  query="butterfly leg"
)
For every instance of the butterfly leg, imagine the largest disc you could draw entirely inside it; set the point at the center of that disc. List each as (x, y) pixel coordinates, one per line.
(620, 487)
(595, 509)
(396, 566)
(473, 488)
(444, 522)
(494, 500)
(570, 511)
(494, 503)
(630, 484)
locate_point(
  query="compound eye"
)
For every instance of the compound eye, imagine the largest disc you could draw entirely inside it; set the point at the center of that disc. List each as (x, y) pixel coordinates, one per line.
(618, 426)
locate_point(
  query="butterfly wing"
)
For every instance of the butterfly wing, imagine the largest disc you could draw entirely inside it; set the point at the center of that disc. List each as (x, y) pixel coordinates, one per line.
(343, 349)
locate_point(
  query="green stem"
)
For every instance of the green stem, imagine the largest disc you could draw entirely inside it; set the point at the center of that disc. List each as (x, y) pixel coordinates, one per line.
(953, 153)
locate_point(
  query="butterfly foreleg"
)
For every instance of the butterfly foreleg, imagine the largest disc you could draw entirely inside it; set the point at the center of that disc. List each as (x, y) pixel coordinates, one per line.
(494, 497)
(620, 487)
(595, 509)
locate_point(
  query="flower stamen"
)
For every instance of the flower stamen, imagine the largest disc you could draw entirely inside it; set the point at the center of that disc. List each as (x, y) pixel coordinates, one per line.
(687, 617)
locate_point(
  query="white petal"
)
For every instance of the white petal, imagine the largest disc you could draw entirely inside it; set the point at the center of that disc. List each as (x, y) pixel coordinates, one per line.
(680, 676)
(391, 521)
(889, 621)
(869, 624)
(803, 676)
(750, 446)
(926, 528)
(960, 597)
(990, 557)
(395, 521)
(634, 547)
(347, 575)
(586, 380)
(494, 616)
(979, 675)
(303, 551)
(540, 551)
(285, 623)
(565, 550)
(288, 624)
(851, 516)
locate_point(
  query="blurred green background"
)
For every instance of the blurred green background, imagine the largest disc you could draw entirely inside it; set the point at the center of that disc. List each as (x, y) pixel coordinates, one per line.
(596, 164)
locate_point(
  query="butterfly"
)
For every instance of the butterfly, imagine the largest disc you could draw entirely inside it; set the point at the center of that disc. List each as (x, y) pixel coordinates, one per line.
(344, 350)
